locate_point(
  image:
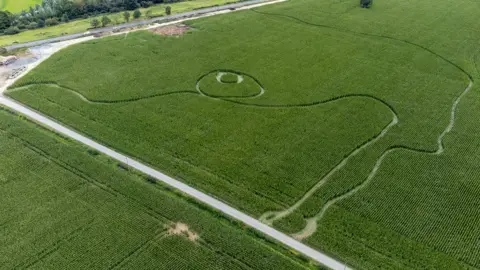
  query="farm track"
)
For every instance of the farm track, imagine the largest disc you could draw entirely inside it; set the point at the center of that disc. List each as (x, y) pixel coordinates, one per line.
(198, 195)
(312, 223)
(263, 218)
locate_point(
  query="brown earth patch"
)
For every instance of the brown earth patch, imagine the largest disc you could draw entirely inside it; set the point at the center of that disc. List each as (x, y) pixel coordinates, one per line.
(171, 30)
(183, 229)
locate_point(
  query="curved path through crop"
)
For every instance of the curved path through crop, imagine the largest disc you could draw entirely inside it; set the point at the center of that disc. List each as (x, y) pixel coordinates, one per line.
(200, 196)
(312, 222)
(94, 101)
(311, 226)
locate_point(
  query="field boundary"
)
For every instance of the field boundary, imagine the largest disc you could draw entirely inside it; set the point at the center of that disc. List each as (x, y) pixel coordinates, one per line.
(200, 196)
(204, 12)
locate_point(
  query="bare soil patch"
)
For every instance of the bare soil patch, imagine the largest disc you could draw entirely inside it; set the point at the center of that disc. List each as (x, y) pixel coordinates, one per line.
(171, 30)
(183, 229)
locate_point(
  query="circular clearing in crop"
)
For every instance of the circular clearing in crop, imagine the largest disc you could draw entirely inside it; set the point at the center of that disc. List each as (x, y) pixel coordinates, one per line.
(229, 84)
(228, 77)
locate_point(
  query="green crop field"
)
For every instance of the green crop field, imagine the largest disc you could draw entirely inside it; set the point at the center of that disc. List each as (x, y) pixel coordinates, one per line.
(63, 206)
(353, 129)
(16, 6)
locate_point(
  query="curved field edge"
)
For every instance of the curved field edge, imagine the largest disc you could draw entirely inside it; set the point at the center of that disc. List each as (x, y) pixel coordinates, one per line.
(25, 94)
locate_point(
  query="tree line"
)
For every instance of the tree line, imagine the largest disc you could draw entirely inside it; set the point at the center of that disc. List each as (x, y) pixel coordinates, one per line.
(53, 12)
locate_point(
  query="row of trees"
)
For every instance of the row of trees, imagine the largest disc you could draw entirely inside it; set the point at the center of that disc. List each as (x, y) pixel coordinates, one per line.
(126, 17)
(52, 12)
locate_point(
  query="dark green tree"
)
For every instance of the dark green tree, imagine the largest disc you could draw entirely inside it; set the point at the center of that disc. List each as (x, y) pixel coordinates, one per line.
(65, 17)
(51, 21)
(130, 4)
(95, 23)
(366, 3)
(105, 20)
(168, 10)
(137, 14)
(126, 16)
(5, 20)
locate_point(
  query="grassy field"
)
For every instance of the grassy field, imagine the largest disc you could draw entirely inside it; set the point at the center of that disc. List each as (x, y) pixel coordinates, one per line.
(64, 206)
(343, 118)
(82, 25)
(15, 6)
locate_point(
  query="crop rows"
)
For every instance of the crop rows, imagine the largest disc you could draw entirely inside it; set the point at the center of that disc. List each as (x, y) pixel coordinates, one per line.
(331, 83)
(79, 210)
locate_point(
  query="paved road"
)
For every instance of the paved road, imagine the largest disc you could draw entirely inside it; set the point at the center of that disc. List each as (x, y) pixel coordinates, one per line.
(212, 202)
(228, 210)
(136, 23)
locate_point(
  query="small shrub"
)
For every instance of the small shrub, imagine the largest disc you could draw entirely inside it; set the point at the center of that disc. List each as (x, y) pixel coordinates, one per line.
(95, 23)
(32, 25)
(122, 166)
(65, 18)
(11, 30)
(137, 14)
(51, 21)
(41, 23)
(168, 10)
(105, 20)
(151, 180)
(366, 3)
(126, 16)
(93, 152)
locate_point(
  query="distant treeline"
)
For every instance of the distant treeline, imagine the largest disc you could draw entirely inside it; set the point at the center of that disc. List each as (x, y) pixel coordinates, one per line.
(52, 12)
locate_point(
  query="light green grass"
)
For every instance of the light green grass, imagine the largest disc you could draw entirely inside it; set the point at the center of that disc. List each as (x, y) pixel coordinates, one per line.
(15, 6)
(63, 208)
(82, 25)
(333, 74)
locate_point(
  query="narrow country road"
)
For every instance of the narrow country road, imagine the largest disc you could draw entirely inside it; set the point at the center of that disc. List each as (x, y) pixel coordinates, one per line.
(200, 196)
(136, 23)
(204, 198)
